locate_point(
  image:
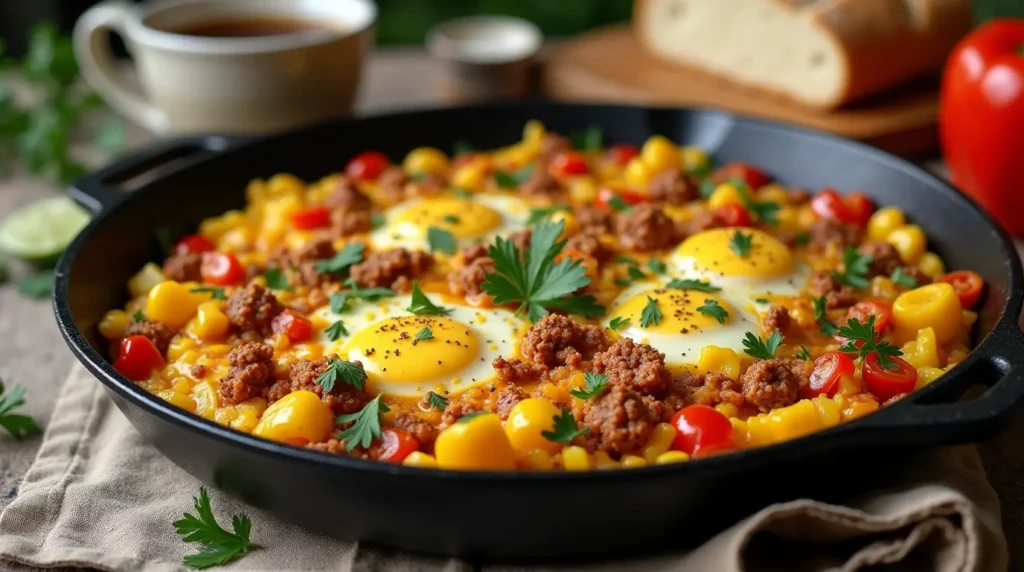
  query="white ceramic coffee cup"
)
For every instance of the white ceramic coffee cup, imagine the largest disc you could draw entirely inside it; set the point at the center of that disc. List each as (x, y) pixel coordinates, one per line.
(228, 84)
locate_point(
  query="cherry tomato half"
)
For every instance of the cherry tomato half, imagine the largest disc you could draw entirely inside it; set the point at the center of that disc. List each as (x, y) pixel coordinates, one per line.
(606, 195)
(138, 358)
(968, 286)
(886, 383)
(313, 217)
(568, 163)
(828, 204)
(396, 445)
(367, 166)
(221, 268)
(828, 369)
(859, 209)
(622, 153)
(194, 244)
(882, 312)
(752, 176)
(297, 328)
(733, 214)
(701, 427)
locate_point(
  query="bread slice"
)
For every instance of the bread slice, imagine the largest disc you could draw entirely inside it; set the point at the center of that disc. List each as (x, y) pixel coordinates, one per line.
(822, 53)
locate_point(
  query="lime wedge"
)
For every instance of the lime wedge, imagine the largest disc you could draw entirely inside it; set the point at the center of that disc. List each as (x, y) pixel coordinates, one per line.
(40, 231)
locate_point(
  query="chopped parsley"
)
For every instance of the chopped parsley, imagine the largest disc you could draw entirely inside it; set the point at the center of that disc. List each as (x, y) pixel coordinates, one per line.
(425, 334)
(802, 353)
(691, 284)
(541, 213)
(713, 309)
(16, 424)
(451, 219)
(218, 545)
(855, 331)
(656, 266)
(635, 273)
(620, 205)
(700, 171)
(276, 280)
(365, 424)
(855, 268)
(618, 323)
(651, 314)
(339, 369)
(215, 293)
(590, 139)
(903, 279)
(621, 259)
(741, 243)
(336, 330)
(824, 324)
(565, 429)
(802, 239)
(755, 347)
(422, 306)
(761, 300)
(417, 176)
(765, 211)
(506, 180)
(441, 240)
(596, 383)
(138, 316)
(707, 187)
(466, 418)
(463, 194)
(437, 401)
(377, 220)
(339, 301)
(347, 256)
(533, 279)
(36, 285)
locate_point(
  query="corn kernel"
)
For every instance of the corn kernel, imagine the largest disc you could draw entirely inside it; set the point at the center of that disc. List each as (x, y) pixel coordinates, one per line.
(539, 460)
(793, 421)
(470, 176)
(922, 351)
(968, 318)
(884, 221)
(724, 361)
(583, 189)
(773, 192)
(576, 459)
(533, 133)
(849, 385)
(181, 385)
(931, 264)
(178, 399)
(477, 444)
(144, 280)
(114, 324)
(225, 416)
(740, 432)
(527, 421)
(727, 409)
(828, 410)
(178, 346)
(637, 174)
(909, 241)
(724, 194)
(210, 322)
(298, 418)
(859, 408)
(671, 457)
(926, 375)
(421, 460)
(632, 462)
(285, 184)
(933, 305)
(659, 154)
(883, 288)
(694, 158)
(426, 160)
(603, 461)
(171, 303)
(659, 442)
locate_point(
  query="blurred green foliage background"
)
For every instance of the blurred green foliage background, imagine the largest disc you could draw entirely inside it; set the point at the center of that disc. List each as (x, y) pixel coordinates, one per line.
(407, 21)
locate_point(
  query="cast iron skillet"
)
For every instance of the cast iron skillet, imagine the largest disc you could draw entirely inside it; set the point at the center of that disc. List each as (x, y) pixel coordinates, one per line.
(536, 515)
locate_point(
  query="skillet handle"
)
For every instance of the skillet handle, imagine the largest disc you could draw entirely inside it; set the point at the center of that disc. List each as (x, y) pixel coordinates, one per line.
(100, 190)
(955, 423)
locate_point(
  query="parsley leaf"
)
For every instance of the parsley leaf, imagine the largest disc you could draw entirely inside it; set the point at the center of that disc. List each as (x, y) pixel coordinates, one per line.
(365, 424)
(656, 266)
(422, 306)
(218, 545)
(757, 348)
(377, 220)
(713, 309)
(351, 254)
(596, 383)
(707, 188)
(802, 353)
(346, 371)
(336, 330)
(534, 280)
(636, 274)
(437, 401)
(650, 314)
(17, 425)
(741, 243)
(620, 205)
(425, 334)
(36, 285)
(827, 327)
(467, 417)
(802, 239)
(691, 284)
(441, 240)
(761, 301)
(765, 211)
(451, 219)
(618, 323)
(506, 180)
(855, 331)
(855, 268)
(215, 293)
(701, 170)
(138, 316)
(903, 279)
(590, 139)
(463, 194)
(276, 280)
(540, 213)
(565, 429)
(625, 260)
(339, 300)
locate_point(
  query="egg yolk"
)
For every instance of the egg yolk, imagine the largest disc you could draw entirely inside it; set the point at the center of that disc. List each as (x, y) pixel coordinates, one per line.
(462, 218)
(411, 350)
(715, 251)
(680, 313)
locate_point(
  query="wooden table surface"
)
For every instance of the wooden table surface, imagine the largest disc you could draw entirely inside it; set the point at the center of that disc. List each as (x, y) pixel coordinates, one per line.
(33, 354)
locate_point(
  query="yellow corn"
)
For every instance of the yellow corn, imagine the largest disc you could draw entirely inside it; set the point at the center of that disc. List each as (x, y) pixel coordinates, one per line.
(583, 189)
(276, 220)
(884, 221)
(693, 158)
(637, 173)
(934, 305)
(298, 418)
(171, 303)
(727, 409)
(724, 194)
(426, 160)
(882, 287)
(828, 410)
(773, 192)
(659, 442)
(477, 444)
(849, 385)
(572, 226)
(210, 322)
(249, 412)
(470, 176)
(225, 415)
(909, 240)
(539, 460)
(144, 280)
(968, 318)
(671, 457)
(526, 422)
(931, 264)
(205, 397)
(632, 462)
(285, 184)
(858, 408)
(178, 346)
(793, 421)
(421, 460)
(659, 154)
(724, 361)
(576, 459)
(926, 375)
(922, 351)
(533, 133)
(114, 324)
(178, 399)
(603, 461)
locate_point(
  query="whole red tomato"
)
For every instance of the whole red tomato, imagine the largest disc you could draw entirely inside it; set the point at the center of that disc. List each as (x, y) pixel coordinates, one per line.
(981, 119)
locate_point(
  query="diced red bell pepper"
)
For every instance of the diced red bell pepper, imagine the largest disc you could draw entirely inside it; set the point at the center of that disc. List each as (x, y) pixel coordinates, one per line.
(194, 244)
(568, 163)
(699, 427)
(221, 268)
(968, 286)
(367, 166)
(622, 153)
(606, 195)
(297, 328)
(754, 178)
(733, 214)
(859, 209)
(138, 358)
(313, 217)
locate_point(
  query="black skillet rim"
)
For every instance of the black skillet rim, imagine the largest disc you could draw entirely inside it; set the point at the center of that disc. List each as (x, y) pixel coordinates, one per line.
(802, 446)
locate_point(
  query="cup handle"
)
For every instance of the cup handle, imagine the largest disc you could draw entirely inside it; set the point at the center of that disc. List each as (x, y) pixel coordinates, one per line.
(92, 48)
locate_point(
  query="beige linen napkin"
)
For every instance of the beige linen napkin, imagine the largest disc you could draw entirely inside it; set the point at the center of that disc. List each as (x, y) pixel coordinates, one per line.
(99, 497)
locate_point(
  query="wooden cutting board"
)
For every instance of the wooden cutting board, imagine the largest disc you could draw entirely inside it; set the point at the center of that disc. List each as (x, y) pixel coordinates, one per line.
(609, 65)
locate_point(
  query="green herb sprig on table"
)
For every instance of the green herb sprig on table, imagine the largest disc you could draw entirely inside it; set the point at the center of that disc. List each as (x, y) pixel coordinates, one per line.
(18, 425)
(219, 545)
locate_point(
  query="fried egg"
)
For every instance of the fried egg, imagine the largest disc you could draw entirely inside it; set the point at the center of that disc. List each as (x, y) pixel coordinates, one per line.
(405, 354)
(468, 220)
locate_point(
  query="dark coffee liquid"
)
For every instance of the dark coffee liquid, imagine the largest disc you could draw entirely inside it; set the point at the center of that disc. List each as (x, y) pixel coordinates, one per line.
(248, 27)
